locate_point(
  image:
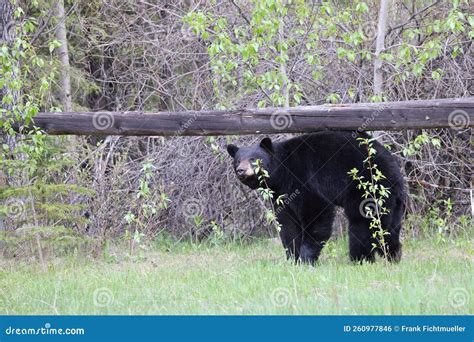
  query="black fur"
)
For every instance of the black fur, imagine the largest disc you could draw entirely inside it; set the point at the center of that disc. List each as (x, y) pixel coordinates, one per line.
(316, 167)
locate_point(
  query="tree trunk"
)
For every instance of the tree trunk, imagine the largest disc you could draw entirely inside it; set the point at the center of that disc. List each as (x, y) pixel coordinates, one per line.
(63, 55)
(379, 47)
(283, 72)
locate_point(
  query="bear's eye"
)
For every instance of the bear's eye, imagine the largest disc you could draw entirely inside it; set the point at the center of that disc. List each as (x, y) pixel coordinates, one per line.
(252, 160)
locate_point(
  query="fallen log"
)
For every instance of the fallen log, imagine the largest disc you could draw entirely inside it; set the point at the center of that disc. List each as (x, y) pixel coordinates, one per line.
(454, 113)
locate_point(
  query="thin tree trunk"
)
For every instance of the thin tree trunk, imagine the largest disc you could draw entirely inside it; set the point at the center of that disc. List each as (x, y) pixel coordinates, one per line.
(283, 71)
(379, 47)
(63, 55)
(6, 22)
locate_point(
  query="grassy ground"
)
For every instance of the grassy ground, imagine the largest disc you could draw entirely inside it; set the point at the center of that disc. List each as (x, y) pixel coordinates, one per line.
(244, 279)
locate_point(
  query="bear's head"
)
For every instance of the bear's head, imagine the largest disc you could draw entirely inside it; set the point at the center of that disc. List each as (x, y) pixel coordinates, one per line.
(245, 160)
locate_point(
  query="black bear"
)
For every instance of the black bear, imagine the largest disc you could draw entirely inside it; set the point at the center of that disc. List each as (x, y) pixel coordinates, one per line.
(316, 166)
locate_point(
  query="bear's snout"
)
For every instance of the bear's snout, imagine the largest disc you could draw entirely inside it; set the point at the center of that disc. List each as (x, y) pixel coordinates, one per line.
(244, 169)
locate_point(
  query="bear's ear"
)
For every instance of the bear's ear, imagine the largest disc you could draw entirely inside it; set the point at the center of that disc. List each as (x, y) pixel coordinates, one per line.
(232, 150)
(266, 144)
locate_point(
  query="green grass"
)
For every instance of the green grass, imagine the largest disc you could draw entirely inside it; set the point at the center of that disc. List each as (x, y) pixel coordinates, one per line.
(244, 279)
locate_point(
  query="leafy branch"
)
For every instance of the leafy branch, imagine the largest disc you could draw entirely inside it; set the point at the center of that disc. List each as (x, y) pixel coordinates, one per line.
(268, 194)
(375, 192)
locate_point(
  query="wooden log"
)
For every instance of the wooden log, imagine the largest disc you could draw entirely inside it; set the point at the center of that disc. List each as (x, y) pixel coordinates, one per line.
(455, 113)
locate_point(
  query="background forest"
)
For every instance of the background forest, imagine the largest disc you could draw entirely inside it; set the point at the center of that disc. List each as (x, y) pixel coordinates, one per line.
(161, 55)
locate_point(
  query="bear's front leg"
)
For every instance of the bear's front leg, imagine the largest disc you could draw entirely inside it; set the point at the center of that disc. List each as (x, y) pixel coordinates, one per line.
(315, 234)
(291, 232)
